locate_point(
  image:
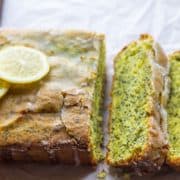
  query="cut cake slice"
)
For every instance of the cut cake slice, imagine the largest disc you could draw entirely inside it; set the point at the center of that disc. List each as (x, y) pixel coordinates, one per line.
(138, 135)
(173, 109)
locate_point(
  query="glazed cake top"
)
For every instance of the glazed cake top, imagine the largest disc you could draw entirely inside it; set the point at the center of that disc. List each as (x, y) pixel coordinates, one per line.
(63, 95)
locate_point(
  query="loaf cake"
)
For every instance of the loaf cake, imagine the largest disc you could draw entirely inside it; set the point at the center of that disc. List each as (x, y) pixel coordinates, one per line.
(173, 108)
(138, 132)
(57, 119)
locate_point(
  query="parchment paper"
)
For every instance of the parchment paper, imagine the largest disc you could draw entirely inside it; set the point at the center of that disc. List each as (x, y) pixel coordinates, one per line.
(121, 21)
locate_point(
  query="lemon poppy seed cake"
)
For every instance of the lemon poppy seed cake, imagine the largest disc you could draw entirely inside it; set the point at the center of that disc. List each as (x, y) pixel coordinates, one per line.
(138, 137)
(51, 111)
(173, 108)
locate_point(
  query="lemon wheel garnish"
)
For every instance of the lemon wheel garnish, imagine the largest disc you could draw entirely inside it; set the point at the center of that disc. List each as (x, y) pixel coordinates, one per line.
(4, 86)
(19, 64)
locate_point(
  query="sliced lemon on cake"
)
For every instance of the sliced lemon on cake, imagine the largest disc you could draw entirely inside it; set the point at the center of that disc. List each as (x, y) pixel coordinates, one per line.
(21, 65)
(4, 86)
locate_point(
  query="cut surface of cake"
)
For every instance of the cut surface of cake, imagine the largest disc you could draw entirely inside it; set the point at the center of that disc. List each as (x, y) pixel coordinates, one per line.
(173, 109)
(138, 138)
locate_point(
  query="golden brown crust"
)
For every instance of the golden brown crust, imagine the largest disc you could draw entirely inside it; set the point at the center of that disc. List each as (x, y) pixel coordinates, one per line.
(173, 54)
(153, 155)
(60, 147)
(65, 153)
(174, 162)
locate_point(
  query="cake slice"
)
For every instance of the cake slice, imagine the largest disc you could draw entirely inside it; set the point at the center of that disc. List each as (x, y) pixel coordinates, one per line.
(137, 122)
(58, 118)
(173, 108)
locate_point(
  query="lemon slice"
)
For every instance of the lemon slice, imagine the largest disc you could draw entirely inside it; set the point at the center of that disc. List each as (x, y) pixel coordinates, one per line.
(4, 86)
(19, 64)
